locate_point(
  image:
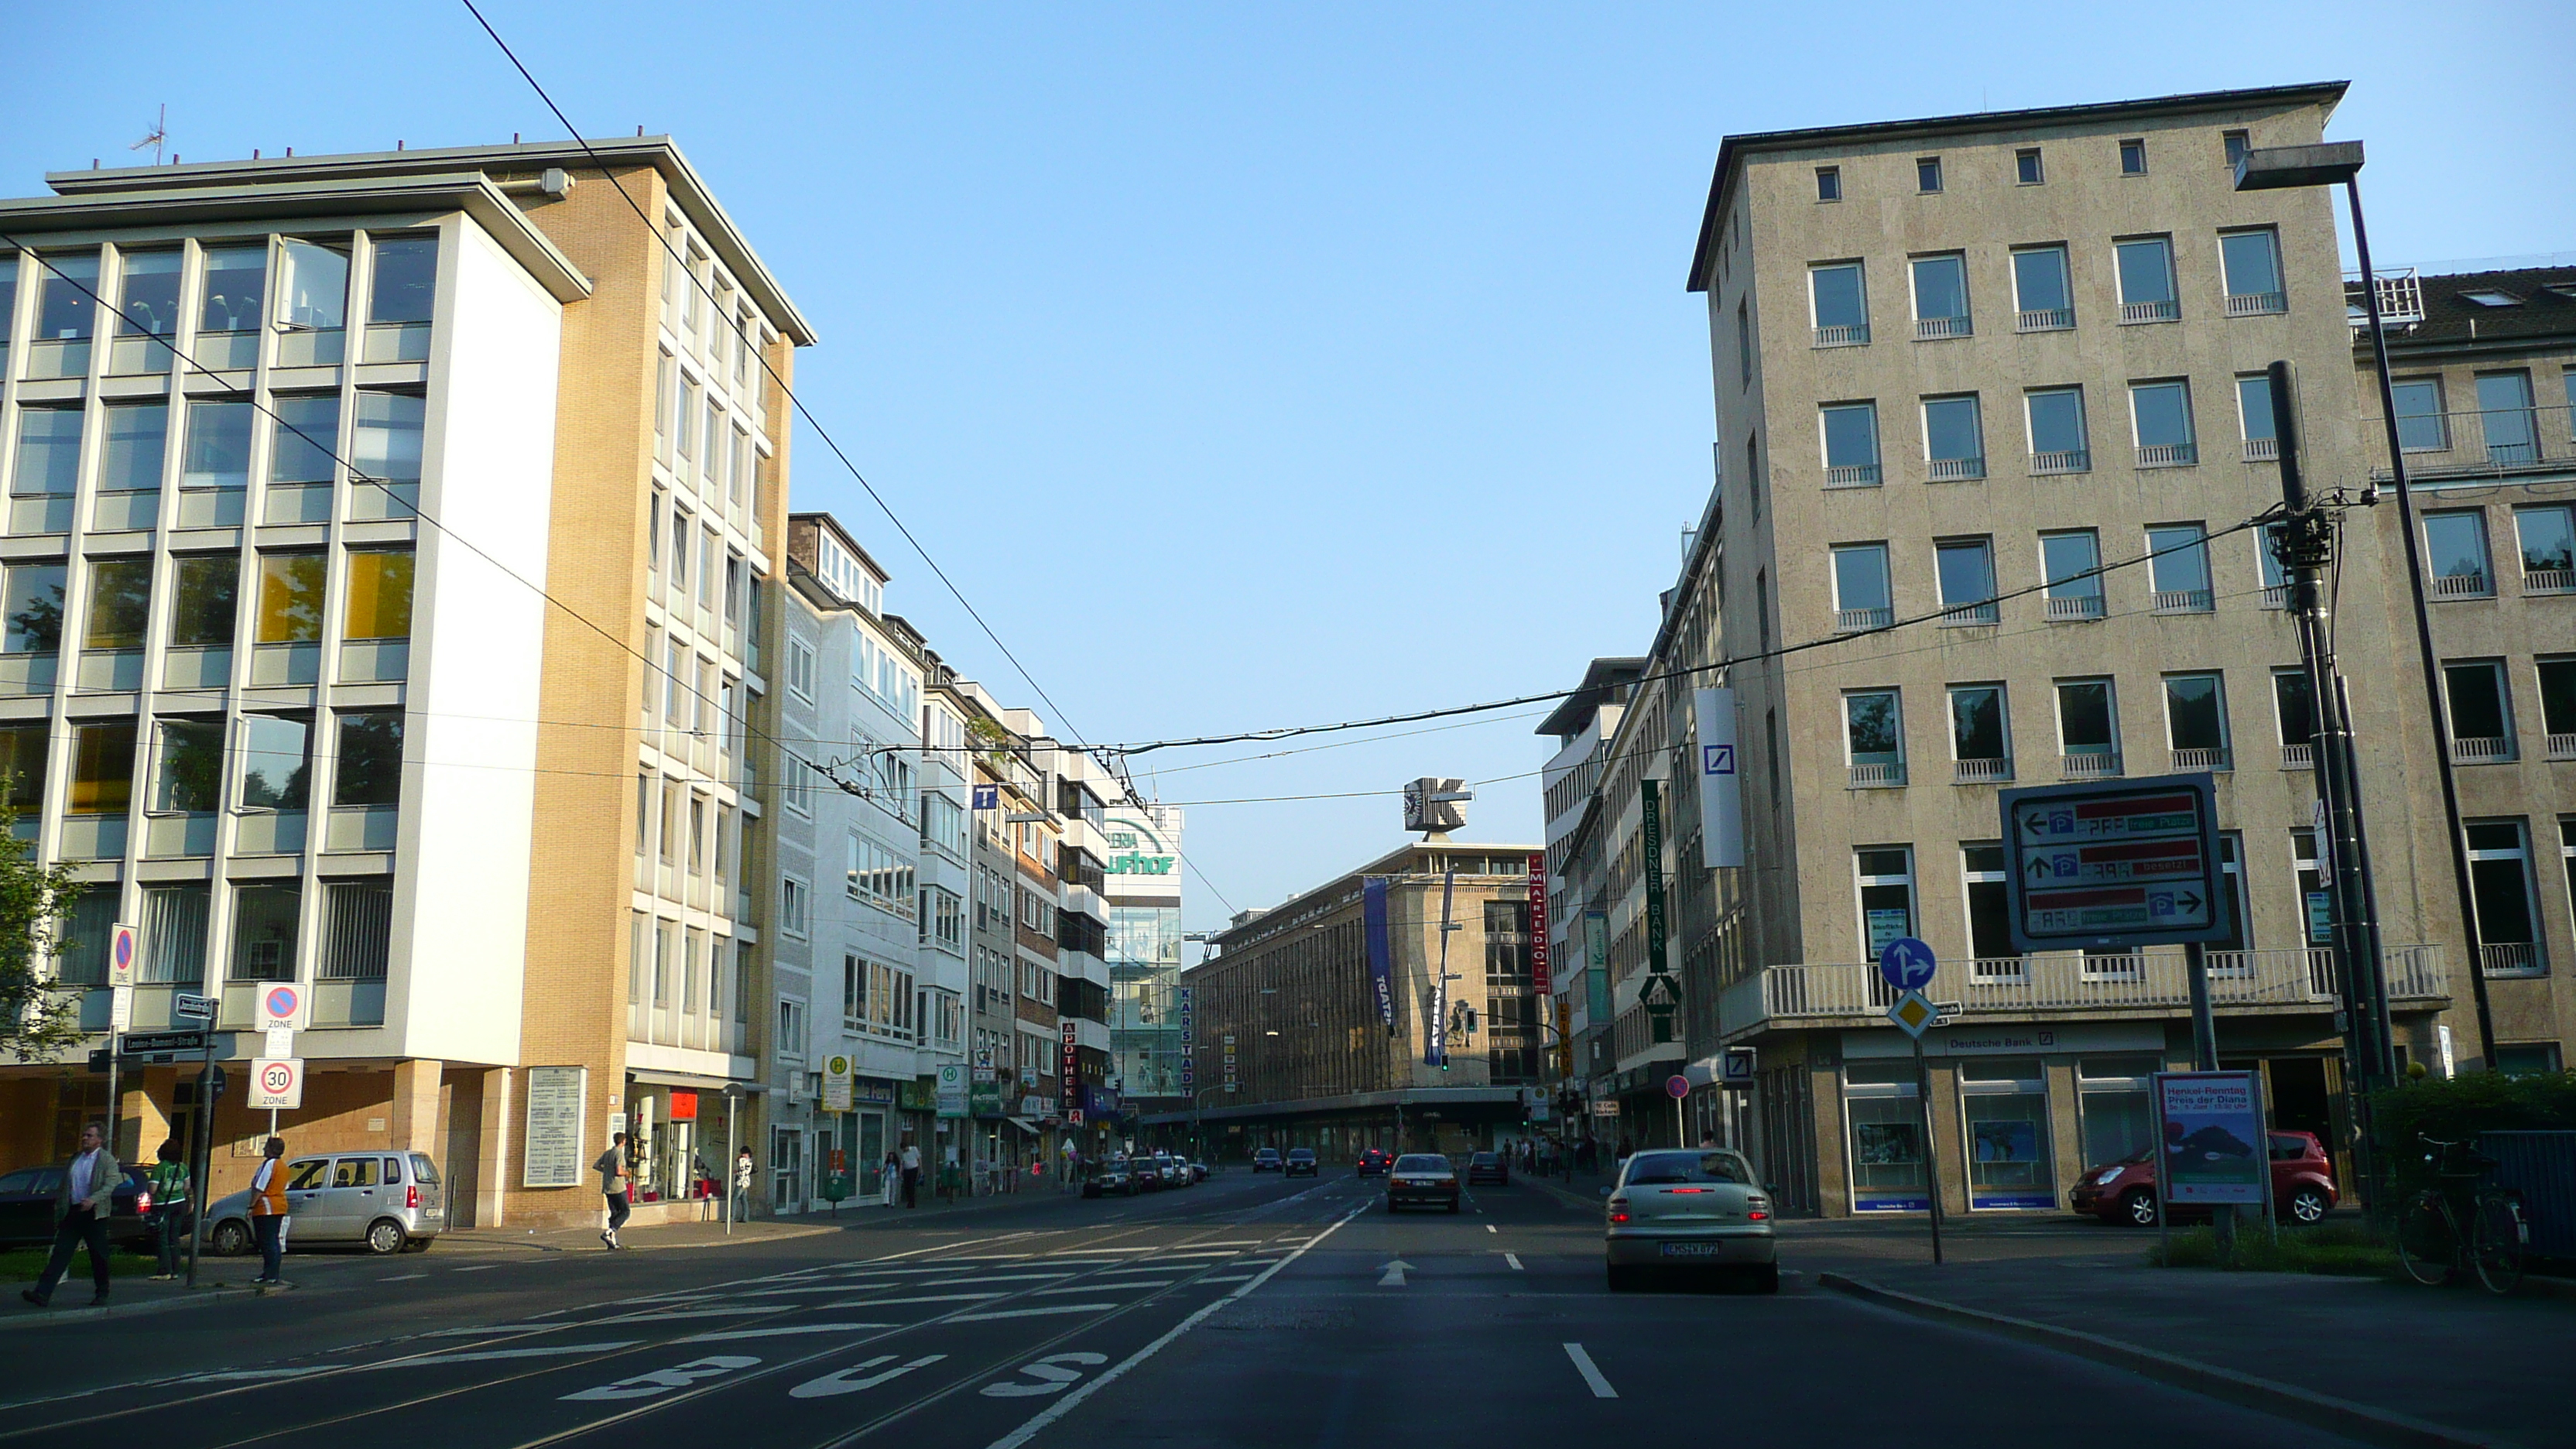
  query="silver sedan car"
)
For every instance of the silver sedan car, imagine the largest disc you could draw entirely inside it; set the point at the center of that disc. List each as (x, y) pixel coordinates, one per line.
(1696, 1209)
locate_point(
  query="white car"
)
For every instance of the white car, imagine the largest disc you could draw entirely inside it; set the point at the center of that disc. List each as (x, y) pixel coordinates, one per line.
(393, 1202)
(1696, 1209)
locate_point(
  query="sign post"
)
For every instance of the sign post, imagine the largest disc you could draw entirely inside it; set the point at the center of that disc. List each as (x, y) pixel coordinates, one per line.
(1677, 1087)
(1909, 965)
(120, 1013)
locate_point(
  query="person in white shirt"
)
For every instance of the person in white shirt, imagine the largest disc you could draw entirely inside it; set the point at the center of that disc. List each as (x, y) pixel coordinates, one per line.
(82, 1207)
(742, 1175)
(911, 1175)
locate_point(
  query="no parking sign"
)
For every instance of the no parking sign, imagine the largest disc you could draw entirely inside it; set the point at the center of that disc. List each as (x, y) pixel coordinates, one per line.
(281, 1003)
(277, 1082)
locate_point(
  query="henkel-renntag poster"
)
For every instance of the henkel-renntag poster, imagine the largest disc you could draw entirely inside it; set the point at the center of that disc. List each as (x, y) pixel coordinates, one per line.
(2210, 1125)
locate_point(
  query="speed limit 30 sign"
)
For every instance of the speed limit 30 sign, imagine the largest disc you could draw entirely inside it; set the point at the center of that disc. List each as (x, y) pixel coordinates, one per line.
(277, 1082)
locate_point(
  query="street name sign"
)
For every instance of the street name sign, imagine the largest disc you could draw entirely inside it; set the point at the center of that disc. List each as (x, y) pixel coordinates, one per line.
(150, 1043)
(2114, 866)
(195, 1008)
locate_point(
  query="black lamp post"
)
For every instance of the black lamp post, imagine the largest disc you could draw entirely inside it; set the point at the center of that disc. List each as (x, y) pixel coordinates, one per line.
(2273, 168)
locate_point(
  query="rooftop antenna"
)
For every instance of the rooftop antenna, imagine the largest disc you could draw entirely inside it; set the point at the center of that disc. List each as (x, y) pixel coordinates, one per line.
(160, 135)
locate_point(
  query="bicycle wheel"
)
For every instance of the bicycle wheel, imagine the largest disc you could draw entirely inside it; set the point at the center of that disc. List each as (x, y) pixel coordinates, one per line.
(2428, 1246)
(2496, 1240)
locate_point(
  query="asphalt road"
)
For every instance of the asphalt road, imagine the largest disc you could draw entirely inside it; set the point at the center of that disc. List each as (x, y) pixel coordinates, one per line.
(1246, 1310)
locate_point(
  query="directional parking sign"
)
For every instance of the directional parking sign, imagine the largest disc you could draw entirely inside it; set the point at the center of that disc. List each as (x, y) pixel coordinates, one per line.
(2114, 866)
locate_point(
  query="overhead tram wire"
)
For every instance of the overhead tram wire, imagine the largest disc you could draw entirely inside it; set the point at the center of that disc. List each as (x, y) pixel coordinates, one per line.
(1687, 671)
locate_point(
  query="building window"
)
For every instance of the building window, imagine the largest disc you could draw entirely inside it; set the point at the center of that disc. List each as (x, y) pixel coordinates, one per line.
(22, 773)
(188, 775)
(2069, 560)
(402, 298)
(174, 934)
(137, 441)
(793, 895)
(2004, 1101)
(800, 669)
(1941, 297)
(1980, 735)
(1954, 438)
(102, 769)
(2481, 711)
(2196, 722)
(2178, 569)
(1762, 607)
(2088, 729)
(379, 602)
(276, 762)
(2500, 883)
(2160, 415)
(2455, 546)
(2133, 158)
(236, 286)
(1839, 294)
(2231, 866)
(290, 597)
(2113, 1111)
(386, 445)
(2294, 707)
(35, 609)
(1874, 737)
(2527, 1059)
(1927, 174)
(314, 312)
(2422, 427)
(1851, 444)
(1862, 599)
(2557, 679)
(2027, 170)
(2547, 533)
(2267, 562)
(1885, 875)
(2237, 144)
(1829, 183)
(2505, 415)
(2058, 443)
(2147, 280)
(264, 918)
(1966, 571)
(218, 447)
(1743, 343)
(120, 604)
(357, 931)
(2043, 297)
(2251, 262)
(791, 1044)
(879, 877)
(1887, 1163)
(1982, 876)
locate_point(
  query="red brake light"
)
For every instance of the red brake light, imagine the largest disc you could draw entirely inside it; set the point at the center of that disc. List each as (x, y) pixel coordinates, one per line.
(143, 1201)
(1617, 1217)
(1685, 1189)
(1757, 1215)
(411, 1196)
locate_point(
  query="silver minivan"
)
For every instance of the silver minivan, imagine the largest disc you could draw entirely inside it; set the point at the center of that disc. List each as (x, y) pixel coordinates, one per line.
(391, 1201)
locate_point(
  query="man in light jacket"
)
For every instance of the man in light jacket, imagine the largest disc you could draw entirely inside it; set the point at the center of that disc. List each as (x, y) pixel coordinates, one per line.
(81, 1209)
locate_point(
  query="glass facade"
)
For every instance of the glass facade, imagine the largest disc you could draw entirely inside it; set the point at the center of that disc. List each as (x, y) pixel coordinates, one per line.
(1144, 962)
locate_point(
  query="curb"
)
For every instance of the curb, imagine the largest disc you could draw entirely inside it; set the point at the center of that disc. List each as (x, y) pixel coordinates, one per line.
(2288, 1401)
(75, 1317)
(780, 1234)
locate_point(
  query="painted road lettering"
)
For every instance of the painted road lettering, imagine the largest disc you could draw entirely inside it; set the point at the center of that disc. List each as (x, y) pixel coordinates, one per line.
(833, 1384)
(663, 1381)
(1051, 1373)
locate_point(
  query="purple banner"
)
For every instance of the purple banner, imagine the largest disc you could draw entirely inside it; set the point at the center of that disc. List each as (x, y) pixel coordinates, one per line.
(1381, 951)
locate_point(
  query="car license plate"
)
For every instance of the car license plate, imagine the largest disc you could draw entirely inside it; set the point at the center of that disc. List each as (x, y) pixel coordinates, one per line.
(1694, 1250)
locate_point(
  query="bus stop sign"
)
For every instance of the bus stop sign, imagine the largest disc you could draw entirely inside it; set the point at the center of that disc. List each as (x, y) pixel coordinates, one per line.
(2114, 866)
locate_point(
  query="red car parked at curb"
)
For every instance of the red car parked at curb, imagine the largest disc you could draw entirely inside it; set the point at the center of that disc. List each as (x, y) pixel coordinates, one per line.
(2303, 1185)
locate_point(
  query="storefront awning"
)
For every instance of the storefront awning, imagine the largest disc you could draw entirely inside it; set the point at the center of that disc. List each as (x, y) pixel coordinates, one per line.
(1025, 1125)
(692, 1079)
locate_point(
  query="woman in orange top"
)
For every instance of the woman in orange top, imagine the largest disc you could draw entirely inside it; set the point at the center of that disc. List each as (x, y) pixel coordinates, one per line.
(268, 1213)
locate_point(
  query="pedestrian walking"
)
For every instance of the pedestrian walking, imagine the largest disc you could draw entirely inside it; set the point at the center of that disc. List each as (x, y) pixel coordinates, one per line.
(889, 1178)
(615, 1186)
(268, 1213)
(911, 1174)
(172, 1205)
(1072, 1167)
(742, 1175)
(82, 1206)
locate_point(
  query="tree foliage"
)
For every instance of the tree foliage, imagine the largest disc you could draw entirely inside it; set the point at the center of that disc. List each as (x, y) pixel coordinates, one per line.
(37, 1017)
(2459, 1109)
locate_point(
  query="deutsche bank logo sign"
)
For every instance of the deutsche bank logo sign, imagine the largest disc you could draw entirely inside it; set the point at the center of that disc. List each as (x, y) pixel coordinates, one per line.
(1717, 759)
(1721, 802)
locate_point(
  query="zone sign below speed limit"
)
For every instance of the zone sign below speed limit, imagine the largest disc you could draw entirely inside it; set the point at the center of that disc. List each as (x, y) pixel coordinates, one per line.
(277, 1082)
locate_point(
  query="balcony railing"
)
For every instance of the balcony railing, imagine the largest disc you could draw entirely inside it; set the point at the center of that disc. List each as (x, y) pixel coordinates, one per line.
(1852, 475)
(2299, 757)
(2150, 312)
(2045, 319)
(2181, 601)
(2262, 450)
(1928, 329)
(1847, 620)
(2167, 455)
(2276, 596)
(2073, 460)
(2549, 581)
(2481, 442)
(2082, 606)
(2256, 304)
(2513, 958)
(2463, 586)
(1979, 772)
(1949, 470)
(2562, 747)
(2088, 767)
(1969, 615)
(1878, 777)
(2184, 761)
(2480, 751)
(1853, 336)
(2401, 297)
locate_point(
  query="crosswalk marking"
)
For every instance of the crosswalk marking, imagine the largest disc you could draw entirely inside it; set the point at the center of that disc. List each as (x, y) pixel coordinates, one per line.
(917, 1298)
(785, 1331)
(543, 1350)
(1116, 1287)
(1052, 1308)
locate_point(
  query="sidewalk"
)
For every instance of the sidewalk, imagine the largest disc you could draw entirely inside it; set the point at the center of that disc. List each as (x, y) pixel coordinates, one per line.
(636, 1236)
(2383, 1361)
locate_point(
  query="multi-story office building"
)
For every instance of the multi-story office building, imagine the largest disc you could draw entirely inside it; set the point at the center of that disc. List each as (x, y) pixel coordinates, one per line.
(1147, 1044)
(354, 503)
(1578, 885)
(2483, 367)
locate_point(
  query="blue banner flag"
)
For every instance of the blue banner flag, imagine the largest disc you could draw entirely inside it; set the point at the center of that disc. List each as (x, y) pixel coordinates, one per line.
(1381, 951)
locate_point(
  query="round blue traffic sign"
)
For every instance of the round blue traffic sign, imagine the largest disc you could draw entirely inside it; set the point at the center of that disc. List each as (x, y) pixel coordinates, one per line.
(1906, 963)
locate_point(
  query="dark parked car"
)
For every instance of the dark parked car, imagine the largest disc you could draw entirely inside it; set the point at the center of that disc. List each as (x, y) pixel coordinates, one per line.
(1373, 1163)
(1147, 1174)
(1109, 1179)
(1301, 1162)
(27, 1208)
(1267, 1160)
(2303, 1185)
(1489, 1167)
(1422, 1177)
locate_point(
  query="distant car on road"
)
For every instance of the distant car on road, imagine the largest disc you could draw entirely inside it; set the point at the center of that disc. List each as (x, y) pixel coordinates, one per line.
(1176, 1173)
(392, 1202)
(1267, 1160)
(1489, 1167)
(2303, 1184)
(1109, 1179)
(1691, 1209)
(1145, 1173)
(1374, 1162)
(27, 1207)
(1422, 1177)
(1198, 1169)
(1301, 1163)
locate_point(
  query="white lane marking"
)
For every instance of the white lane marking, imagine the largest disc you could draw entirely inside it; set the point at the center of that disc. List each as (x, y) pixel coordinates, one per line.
(1235, 1243)
(1052, 1375)
(402, 1277)
(488, 1328)
(1591, 1375)
(476, 1268)
(917, 1298)
(840, 1382)
(1489, 1227)
(1395, 1271)
(1515, 1260)
(1067, 1404)
(1066, 1252)
(699, 1310)
(722, 1335)
(231, 1376)
(1230, 1278)
(1118, 1287)
(663, 1381)
(996, 1278)
(1047, 1311)
(488, 1355)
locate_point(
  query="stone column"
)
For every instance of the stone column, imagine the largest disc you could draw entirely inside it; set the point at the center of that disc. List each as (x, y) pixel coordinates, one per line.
(416, 1127)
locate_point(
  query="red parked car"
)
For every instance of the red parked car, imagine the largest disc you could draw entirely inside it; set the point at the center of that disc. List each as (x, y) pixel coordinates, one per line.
(2303, 1185)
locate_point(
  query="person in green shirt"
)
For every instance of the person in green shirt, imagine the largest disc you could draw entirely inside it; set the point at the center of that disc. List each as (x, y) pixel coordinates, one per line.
(170, 1205)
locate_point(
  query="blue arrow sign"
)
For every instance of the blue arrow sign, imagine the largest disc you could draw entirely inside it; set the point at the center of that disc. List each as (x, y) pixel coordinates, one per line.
(1907, 964)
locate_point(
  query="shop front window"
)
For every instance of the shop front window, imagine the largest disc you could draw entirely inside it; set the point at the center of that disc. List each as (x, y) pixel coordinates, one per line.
(2004, 1101)
(2113, 1111)
(1881, 1104)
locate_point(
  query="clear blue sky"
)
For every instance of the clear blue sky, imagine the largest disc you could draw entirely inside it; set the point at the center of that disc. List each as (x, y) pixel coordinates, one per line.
(1253, 366)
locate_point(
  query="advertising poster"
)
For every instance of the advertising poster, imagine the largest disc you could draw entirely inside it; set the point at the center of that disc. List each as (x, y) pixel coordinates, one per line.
(555, 1101)
(1381, 950)
(2211, 1128)
(1886, 924)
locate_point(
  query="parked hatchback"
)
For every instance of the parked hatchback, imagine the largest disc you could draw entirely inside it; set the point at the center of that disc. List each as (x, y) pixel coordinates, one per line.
(1701, 1209)
(2303, 1185)
(27, 1208)
(1266, 1160)
(392, 1202)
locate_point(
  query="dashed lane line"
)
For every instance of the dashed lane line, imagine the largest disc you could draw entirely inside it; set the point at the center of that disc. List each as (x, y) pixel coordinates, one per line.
(1043, 1311)
(1515, 1260)
(493, 1355)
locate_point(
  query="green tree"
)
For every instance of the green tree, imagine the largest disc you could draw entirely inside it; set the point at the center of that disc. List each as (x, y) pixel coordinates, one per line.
(37, 1018)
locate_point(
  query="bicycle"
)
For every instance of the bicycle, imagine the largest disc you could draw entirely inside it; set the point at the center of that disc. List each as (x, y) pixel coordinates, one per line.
(2434, 1248)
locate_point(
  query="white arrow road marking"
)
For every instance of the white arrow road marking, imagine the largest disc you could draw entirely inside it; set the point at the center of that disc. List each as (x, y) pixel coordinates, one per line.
(663, 1381)
(1395, 1272)
(489, 1355)
(1050, 1309)
(1591, 1375)
(1053, 1376)
(840, 1382)
(1515, 1260)
(721, 1335)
